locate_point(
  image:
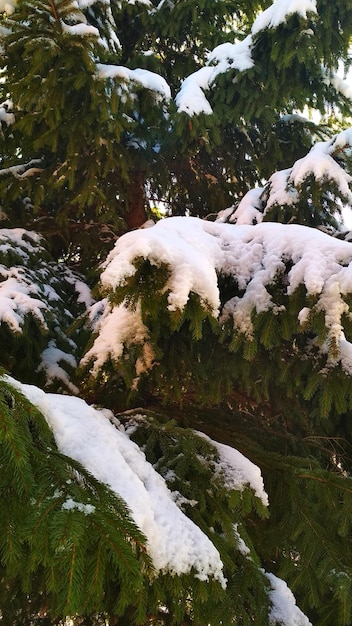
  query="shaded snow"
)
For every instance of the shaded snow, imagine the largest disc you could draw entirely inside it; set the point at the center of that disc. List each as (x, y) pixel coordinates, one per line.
(32, 287)
(28, 288)
(5, 113)
(283, 188)
(81, 29)
(241, 545)
(248, 210)
(50, 364)
(237, 471)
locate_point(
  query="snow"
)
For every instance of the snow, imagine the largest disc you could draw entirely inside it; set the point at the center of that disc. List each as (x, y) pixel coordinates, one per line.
(235, 56)
(241, 545)
(190, 98)
(26, 290)
(238, 471)
(82, 30)
(116, 327)
(283, 605)
(284, 185)
(18, 295)
(320, 163)
(84, 294)
(23, 170)
(149, 80)
(248, 210)
(5, 113)
(25, 241)
(30, 286)
(232, 55)
(176, 545)
(280, 192)
(50, 364)
(280, 10)
(84, 433)
(341, 85)
(70, 504)
(197, 251)
(17, 301)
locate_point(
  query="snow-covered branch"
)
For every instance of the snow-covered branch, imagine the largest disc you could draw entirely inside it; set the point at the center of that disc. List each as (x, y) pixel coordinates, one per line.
(198, 252)
(23, 170)
(191, 97)
(145, 78)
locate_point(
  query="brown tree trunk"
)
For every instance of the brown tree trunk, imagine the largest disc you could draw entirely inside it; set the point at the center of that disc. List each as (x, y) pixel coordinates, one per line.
(136, 201)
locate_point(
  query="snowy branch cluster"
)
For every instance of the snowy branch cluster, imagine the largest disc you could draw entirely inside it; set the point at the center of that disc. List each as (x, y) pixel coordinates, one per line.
(198, 252)
(31, 288)
(195, 257)
(95, 439)
(284, 186)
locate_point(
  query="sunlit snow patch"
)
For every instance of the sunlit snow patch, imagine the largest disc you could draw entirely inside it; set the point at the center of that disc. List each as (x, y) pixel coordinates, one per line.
(83, 433)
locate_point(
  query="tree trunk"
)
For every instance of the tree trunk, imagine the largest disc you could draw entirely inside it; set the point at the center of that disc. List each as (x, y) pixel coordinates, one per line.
(136, 201)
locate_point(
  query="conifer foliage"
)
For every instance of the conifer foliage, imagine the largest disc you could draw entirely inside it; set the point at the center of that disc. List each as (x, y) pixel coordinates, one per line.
(175, 400)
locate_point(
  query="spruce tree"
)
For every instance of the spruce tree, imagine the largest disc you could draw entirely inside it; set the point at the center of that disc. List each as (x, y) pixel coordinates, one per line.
(214, 345)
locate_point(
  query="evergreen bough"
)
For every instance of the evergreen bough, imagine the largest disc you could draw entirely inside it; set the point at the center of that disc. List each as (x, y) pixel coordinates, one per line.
(89, 149)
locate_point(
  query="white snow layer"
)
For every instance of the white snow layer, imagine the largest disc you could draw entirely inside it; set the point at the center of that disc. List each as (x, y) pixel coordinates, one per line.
(197, 251)
(18, 296)
(50, 364)
(148, 80)
(280, 10)
(23, 290)
(17, 299)
(83, 433)
(116, 327)
(283, 605)
(238, 471)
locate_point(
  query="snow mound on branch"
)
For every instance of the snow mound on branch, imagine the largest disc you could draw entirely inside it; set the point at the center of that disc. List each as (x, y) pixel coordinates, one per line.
(19, 296)
(50, 364)
(83, 433)
(197, 252)
(146, 78)
(283, 605)
(27, 285)
(237, 470)
(226, 56)
(116, 327)
(280, 10)
(190, 98)
(183, 245)
(17, 301)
